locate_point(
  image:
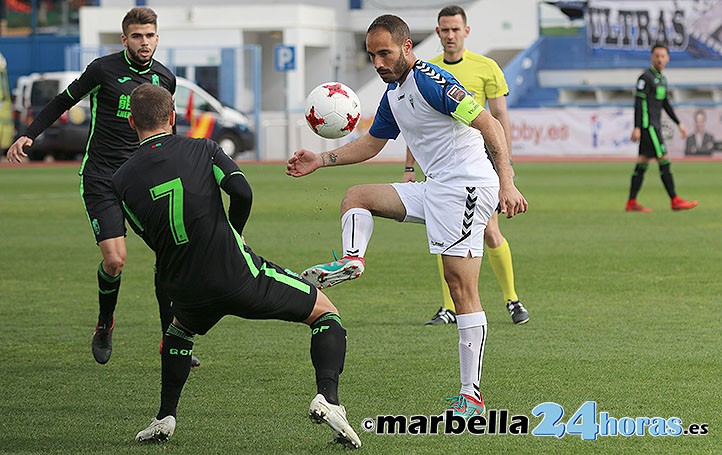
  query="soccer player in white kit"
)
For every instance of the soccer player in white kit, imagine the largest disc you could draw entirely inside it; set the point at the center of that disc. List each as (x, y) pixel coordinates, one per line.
(434, 113)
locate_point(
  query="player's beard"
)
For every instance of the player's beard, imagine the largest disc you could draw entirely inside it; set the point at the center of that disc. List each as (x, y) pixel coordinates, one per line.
(137, 58)
(400, 68)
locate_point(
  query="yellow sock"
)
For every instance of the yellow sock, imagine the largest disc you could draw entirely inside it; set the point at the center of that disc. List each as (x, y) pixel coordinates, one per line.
(445, 293)
(500, 259)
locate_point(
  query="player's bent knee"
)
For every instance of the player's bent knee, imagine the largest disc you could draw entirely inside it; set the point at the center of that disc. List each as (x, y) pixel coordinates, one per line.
(114, 264)
(356, 197)
(323, 305)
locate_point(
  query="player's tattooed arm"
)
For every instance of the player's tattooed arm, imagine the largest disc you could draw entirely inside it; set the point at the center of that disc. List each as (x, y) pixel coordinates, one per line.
(328, 159)
(356, 151)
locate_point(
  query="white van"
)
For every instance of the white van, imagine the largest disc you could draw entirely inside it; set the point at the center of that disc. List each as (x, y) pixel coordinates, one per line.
(199, 114)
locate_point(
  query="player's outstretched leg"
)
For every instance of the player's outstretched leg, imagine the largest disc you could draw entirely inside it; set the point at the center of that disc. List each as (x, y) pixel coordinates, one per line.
(357, 225)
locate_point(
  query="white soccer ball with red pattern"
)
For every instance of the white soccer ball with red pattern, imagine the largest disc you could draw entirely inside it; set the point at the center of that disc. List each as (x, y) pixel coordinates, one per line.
(332, 110)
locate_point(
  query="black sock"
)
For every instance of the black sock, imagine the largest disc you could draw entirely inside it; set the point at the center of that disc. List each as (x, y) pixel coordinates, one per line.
(666, 173)
(108, 287)
(637, 179)
(164, 306)
(176, 364)
(328, 352)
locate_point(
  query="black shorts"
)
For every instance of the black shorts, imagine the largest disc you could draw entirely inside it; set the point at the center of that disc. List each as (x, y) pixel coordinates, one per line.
(651, 143)
(276, 293)
(102, 208)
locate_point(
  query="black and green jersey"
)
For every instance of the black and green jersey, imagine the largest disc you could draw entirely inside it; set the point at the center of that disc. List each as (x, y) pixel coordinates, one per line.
(170, 194)
(108, 81)
(650, 99)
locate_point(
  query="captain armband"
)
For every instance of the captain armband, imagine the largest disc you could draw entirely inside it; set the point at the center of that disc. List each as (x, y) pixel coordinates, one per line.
(467, 110)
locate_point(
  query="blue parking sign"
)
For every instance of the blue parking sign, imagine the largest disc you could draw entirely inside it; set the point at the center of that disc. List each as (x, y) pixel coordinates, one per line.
(285, 57)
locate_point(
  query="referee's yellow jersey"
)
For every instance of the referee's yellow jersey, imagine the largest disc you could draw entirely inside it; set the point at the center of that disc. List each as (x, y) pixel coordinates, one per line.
(479, 75)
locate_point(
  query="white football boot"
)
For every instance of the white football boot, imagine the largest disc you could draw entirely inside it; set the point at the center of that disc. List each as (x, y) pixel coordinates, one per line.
(333, 415)
(158, 430)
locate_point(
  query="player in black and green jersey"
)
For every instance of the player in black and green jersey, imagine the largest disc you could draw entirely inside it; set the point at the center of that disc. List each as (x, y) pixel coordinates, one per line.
(108, 81)
(170, 194)
(650, 98)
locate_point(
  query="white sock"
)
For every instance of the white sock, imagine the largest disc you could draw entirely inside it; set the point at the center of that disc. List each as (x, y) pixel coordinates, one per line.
(472, 337)
(357, 225)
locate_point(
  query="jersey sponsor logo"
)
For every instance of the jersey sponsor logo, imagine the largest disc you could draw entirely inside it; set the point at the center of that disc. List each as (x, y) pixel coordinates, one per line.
(123, 79)
(123, 106)
(661, 92)
(456, 93)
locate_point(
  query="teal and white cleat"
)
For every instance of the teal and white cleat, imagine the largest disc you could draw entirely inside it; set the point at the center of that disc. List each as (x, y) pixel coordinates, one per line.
(466, 406)
(333, 273)
(158, 430)
(333, 415)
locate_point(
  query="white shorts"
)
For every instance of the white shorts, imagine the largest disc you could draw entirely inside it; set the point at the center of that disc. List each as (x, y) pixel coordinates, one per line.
(455, 217)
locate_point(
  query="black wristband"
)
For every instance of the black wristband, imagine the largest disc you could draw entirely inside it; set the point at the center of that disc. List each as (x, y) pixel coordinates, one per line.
(409, 169)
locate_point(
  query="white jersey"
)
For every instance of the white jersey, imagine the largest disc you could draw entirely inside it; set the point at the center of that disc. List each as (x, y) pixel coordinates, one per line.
(425, 109)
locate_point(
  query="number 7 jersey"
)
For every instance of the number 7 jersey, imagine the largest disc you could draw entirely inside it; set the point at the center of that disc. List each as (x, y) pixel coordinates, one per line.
(170, 194)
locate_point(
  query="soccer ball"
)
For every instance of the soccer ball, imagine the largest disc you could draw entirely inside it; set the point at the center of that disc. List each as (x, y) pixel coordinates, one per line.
(332, 110)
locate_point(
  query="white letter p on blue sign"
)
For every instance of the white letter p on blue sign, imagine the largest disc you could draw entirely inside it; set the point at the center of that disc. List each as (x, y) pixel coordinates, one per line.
(285, 57)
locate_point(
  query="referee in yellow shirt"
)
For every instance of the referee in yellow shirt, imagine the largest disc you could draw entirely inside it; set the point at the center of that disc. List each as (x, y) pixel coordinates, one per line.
(484, 79)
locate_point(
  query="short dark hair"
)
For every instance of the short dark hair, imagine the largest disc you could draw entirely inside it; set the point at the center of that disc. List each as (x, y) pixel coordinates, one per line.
(660, 46)
(150, 106)
(140, 15)
(452, 10)
(393, 24)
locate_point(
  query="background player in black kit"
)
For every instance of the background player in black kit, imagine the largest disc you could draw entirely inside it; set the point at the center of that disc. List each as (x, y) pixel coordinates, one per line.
(109, 81)
(170, 194)
(650, 98)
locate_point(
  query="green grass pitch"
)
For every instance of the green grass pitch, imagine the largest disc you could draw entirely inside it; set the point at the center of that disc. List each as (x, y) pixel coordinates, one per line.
(625, 311)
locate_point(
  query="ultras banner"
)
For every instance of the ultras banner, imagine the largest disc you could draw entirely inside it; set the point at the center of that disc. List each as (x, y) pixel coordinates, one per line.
(693, 26)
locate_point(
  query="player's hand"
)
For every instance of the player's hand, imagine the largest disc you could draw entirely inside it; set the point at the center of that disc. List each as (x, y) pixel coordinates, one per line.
(512, 202)
(683, 131)
(16, 152)
(303, 162)
(636, 135)
(409, 176)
